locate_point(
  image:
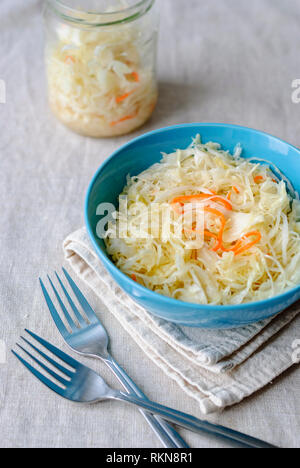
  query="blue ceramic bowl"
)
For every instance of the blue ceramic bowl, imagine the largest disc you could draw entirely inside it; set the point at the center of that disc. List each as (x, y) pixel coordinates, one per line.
(142, 152)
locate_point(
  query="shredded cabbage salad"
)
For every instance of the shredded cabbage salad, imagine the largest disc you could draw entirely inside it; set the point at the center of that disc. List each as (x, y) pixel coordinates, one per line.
(101, 81)
(250, 246)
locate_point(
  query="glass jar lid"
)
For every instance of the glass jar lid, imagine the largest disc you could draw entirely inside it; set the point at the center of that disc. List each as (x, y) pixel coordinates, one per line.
(100, 12)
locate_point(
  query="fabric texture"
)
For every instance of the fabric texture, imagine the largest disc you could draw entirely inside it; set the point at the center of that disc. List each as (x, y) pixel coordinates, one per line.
(230, 61)
(216, 367)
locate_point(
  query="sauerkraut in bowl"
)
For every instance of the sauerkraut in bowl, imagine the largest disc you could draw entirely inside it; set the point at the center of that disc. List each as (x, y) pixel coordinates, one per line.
(101, 68)
(246, 247)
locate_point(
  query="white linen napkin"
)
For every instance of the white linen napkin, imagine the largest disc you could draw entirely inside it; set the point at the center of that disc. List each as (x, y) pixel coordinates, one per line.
(216, 367)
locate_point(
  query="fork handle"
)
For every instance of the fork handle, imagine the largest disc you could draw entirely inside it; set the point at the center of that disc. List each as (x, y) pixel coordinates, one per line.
(167, 435)
(193, 424)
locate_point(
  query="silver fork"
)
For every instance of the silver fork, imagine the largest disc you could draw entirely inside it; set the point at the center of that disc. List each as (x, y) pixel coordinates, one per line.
(90, 338)
(80, 384)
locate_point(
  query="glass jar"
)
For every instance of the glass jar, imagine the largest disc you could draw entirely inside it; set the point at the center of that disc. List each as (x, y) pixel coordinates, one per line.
(101, 64)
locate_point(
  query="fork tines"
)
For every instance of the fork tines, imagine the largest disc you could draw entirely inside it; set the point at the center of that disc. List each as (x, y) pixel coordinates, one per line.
(87, 316)
(66, 372)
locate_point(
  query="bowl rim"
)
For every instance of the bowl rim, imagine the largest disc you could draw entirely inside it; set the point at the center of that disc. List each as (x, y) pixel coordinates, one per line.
(142, 289)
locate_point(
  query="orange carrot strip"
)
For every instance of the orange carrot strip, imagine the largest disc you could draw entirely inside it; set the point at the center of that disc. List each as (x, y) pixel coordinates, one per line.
(133, 277)
(205, 233)
(223, 222)
(177, 208)
(123, 119)
(136, 76)
(202, 196)
(235, 189)
(210, 234)
(239, 248)
(123, 97)
(234, 248)
(69, 58)
(258, 178)
(213, 236)
(220, 200)
(228, 250)
(178, 200)
(219, 236)
(258, 236)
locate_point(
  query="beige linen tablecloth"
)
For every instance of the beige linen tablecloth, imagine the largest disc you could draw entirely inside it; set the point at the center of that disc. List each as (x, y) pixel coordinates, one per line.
(219, 61)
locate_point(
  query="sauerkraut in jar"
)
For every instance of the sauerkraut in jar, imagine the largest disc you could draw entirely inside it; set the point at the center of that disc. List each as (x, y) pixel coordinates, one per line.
(101, 64)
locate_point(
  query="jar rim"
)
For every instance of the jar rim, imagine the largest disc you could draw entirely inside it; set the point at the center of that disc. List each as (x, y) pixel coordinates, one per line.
(92, 18)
